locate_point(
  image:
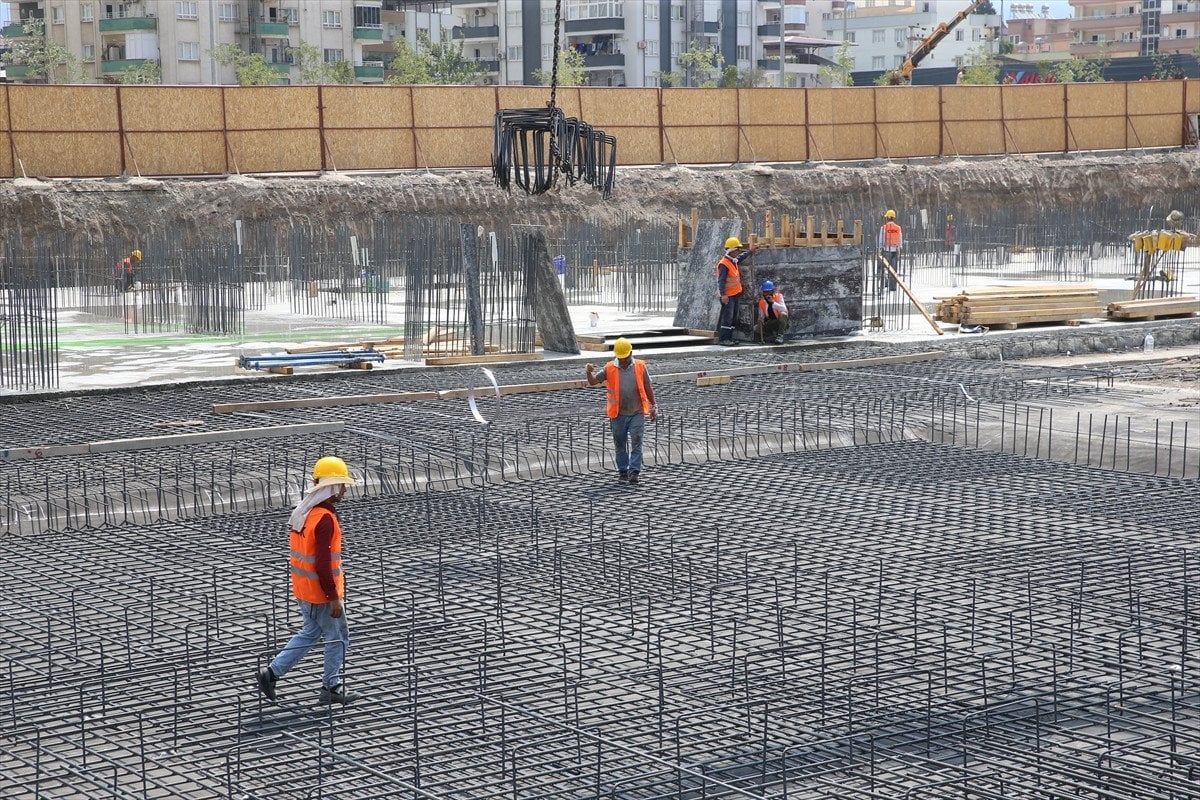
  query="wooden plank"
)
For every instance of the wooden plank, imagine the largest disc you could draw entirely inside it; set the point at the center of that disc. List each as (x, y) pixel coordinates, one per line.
(496, 358)
(237, 434)
(322, 402)
(920, 306)
(699, 332)
(281, 370)
(515, 388)
(1049, 315)
(988, 308)
(714, 380)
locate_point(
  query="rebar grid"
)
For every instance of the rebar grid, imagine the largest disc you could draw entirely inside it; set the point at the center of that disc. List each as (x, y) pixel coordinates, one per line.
(888, 620)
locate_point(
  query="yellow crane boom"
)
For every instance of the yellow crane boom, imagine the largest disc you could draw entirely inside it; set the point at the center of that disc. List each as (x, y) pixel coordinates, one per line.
(904, 73)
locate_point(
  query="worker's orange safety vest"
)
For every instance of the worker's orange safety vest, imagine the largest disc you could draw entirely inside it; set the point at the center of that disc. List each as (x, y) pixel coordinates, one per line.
(612, 381)
(892, 236)
(306, 585)
(733, 281)
(762, 303)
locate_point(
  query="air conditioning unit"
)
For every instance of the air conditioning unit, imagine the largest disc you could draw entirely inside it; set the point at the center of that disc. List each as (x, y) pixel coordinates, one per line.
(501, 57)
(641, 44)
(900, 45)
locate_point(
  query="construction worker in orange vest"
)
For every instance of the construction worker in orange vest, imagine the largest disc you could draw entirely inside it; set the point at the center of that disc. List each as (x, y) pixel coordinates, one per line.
(772, 314)
(315, 544)
(891, 243)
(127, 270)
(729, 288)
(630, 401)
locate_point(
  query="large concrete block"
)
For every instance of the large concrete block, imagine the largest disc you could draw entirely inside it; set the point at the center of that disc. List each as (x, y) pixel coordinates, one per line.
(822, 287)
(549, 305)
(698, 306)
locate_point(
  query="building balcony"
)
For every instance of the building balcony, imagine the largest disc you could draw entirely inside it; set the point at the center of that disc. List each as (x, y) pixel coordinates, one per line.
(21, 71)
(595, 25)
(108, 65)
(464, 32)
(371, 34)
(372, 71)
(604, 60)
(488, 64)
(280, 67)
(126, 24)
(1107, 22)
(1112, 48)
(709, 28)
(279, 29)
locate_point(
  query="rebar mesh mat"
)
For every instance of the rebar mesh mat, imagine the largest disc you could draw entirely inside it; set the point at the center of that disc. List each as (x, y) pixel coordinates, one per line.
(888, 620)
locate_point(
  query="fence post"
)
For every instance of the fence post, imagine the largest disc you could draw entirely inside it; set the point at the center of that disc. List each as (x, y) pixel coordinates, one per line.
(321, 122)
(12, 142)
(225, 129)
(121, 129)
(662, 131)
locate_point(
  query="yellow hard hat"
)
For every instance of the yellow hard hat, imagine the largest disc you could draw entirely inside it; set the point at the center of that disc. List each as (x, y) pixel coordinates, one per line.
(732, 242)
(622, 348)
(331, 470)
(949, 218)
(137, 254)
(889, 214)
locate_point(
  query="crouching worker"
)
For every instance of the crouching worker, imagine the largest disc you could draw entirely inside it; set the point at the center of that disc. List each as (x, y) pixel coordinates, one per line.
(772, 314)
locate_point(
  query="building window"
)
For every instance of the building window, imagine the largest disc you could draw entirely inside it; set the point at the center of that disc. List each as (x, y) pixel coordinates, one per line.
(652, 47)
(849, 36)
(651, 10)
(743, 52)
(901, 34)
(187, 9)
(1181, 33)
(547, 52)
(89, 53)
(677, 12)
(187, 51)
(595, 9)
(878, 37)
(877, 62)
(228, 12)
(331, 19)
(547, 15)
(744, 19)
(291, 16)
(676, 49)
(87, 12)
(514, 18)
(334, 56)
(57, 16)
(958, 36)
(368, 17)
(516, 53)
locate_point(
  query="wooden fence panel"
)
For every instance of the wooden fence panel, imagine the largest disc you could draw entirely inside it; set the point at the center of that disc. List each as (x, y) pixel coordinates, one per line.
(841, 124)
(972, 123)
(6, 159)
(65, 131)
(908, 121)
(629, 114)
(1095, 116)
(173, 130)
(453, 125)
(700, 125)
(273, 128)
(368, 127)
(773, 124)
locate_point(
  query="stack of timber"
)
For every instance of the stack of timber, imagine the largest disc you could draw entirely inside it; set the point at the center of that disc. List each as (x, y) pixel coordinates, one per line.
(1009, 306)
(663, 337)
(1155, 308)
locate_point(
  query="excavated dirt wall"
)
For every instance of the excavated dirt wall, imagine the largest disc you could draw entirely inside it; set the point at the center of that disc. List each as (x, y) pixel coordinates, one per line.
(977, 187)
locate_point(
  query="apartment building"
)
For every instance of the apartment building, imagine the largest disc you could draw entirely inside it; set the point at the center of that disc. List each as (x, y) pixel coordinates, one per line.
(884, 32)
(1037, 36)
(110, 37)
(1117, 28)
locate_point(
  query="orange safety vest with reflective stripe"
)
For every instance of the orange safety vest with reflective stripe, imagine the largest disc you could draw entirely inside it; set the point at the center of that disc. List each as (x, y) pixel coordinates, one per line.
(892, 236)
(762, 304)
(733, 278)
(306, 585)
(612, 382)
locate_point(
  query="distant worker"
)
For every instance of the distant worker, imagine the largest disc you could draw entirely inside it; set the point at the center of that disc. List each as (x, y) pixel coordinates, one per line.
(891, 244)
(772, 314)
(127, 270)
(729, 288)
(950, 231)
(630, 401)
(315, 544)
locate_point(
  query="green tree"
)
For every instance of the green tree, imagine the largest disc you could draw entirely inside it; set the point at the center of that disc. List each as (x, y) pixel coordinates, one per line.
(571, 71)
(447, 64)
(145, 73)
(669, 79)
(408, 67)
(43, 57)
(313, 68)
(838, 74)
(251, 68)
(1164, 67)
(750, 78)
(701, 65)
(980, 67)
(1081, 70)
(1005, 47)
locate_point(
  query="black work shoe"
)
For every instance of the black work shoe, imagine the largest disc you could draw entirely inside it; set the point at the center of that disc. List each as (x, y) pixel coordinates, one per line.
(266, 682)
(336, 696)
(633, 477)
(623, 476)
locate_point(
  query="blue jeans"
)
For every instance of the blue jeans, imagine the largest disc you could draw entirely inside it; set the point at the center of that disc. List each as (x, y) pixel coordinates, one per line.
(318, 625)
(627, 436)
